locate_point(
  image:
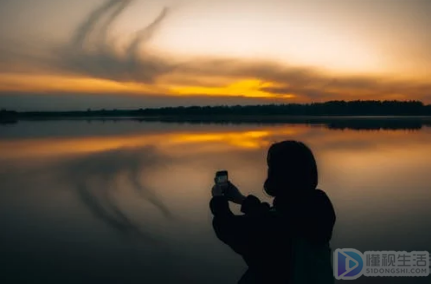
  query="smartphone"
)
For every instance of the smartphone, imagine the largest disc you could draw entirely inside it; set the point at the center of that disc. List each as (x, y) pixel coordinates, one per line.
(221, 178)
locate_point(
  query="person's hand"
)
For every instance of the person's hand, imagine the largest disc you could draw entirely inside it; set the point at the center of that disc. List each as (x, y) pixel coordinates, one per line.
(233, 194)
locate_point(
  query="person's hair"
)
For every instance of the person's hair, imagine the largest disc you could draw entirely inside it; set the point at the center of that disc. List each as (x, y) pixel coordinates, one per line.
(292, 169)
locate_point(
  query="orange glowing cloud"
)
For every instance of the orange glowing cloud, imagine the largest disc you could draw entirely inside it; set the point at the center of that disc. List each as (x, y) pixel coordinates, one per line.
(59, 83)
(252, 88)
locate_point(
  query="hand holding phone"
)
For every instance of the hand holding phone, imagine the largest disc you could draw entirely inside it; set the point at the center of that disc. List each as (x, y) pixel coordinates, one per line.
(221, 183)
(224, 187)
(221, 178)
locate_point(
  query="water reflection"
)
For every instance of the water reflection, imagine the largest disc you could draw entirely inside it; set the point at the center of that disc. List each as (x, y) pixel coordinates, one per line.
(95, 177)
(140, 191)
(348, 122)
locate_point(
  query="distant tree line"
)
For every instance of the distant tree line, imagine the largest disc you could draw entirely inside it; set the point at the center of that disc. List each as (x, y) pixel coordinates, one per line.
(330, 108)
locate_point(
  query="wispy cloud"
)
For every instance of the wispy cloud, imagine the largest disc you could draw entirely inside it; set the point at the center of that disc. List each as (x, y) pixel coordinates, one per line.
(91, 52)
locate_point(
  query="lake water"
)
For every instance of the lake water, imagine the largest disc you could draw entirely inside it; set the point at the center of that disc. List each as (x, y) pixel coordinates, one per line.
(127, 201)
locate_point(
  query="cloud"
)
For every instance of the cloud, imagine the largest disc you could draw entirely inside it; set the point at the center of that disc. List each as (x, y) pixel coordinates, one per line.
(92, 53)
(309, 84)
(84, 30)
(104, 61)
(36, 101)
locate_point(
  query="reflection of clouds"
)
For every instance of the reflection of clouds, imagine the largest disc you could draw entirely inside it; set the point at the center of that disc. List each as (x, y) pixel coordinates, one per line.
(95, 178)
(197, 140)
(219, 140)
(193, 156)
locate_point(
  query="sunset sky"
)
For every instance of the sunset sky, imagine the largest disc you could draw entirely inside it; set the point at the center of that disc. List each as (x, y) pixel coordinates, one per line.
(59, 54)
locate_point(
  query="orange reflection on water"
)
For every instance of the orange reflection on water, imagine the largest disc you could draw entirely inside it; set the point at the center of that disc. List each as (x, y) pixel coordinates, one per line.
(248, 139)
(218, 140)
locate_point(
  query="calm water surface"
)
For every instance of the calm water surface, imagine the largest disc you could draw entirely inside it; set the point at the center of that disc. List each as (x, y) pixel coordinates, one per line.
(127, 202)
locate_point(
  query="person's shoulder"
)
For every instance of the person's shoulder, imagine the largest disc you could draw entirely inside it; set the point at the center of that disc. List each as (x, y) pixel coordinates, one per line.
(321, 196)
(320, 193)
(323, 201)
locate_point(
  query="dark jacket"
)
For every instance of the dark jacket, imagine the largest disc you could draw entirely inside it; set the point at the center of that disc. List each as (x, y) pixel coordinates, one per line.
(265, 236)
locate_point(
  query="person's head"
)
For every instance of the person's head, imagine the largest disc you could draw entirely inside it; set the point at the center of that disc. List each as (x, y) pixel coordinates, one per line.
(292, 169)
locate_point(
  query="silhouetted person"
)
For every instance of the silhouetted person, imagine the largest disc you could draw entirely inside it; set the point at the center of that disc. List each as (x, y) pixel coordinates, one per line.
(288, 242)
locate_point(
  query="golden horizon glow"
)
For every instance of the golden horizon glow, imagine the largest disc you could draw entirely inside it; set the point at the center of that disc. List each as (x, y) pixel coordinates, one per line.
(246, 88)
(250, 88)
